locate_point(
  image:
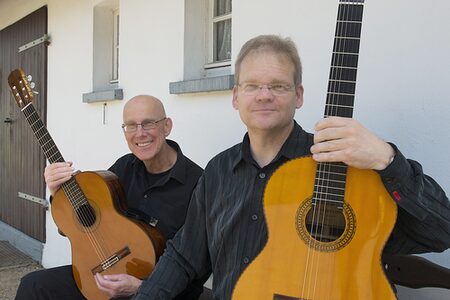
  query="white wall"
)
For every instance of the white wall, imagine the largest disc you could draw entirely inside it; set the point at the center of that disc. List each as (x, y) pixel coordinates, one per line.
(402, 89)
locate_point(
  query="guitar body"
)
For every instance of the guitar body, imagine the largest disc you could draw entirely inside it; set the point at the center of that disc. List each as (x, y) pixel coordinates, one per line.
(293, 265)
(104, 234)
(87, 210)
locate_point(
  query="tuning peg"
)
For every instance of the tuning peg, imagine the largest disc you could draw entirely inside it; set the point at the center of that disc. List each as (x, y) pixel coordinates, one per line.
(29, 78)
(32, 84)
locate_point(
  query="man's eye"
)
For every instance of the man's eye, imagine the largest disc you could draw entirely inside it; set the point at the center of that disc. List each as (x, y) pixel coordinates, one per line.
(278, 87)
(251, 87)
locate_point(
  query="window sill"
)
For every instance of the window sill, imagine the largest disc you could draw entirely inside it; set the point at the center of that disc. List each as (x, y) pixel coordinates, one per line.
(103, 96)
(209, 84)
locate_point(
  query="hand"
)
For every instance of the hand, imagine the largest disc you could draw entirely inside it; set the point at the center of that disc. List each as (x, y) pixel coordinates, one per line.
(118, 285)
(56, 174)
(345, 140)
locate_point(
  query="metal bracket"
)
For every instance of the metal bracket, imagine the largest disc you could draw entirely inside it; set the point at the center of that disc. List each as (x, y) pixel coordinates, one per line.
(43, 39)
(41, 201)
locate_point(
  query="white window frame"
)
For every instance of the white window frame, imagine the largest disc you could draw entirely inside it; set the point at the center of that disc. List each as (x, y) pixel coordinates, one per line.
(115, 47)
(211, 22)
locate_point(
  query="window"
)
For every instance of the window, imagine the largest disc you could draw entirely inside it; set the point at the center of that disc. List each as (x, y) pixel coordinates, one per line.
(115, 47)
(220, 32)
(105, 76)
(207, 48)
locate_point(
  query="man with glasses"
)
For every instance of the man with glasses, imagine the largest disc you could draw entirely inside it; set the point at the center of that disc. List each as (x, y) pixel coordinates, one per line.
(158, 181)
(225, 226)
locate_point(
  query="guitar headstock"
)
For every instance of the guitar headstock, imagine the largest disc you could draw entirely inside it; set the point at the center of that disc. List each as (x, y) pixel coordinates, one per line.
(20, 87)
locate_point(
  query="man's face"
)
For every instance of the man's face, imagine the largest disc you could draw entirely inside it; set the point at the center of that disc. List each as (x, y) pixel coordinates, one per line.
(146, 144)
(259, 107)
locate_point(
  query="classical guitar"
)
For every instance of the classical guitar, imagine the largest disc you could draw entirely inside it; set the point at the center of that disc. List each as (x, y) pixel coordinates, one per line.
(327, 222)
(88, 209)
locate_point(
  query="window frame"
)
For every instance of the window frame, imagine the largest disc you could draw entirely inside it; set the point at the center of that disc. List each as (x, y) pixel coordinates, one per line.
(212, 20)
(115, 47)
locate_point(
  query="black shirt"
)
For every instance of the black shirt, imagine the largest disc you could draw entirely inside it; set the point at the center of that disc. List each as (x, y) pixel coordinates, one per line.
(225, 227)
(163, 197)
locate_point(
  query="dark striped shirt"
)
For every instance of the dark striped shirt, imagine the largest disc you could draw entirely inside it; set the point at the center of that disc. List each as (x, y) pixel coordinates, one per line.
(225, 227)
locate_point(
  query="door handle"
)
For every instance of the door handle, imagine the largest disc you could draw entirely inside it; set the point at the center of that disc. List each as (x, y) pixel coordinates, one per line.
(8, 120)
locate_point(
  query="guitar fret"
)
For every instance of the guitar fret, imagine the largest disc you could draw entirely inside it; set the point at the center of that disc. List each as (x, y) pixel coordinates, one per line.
(330, 174)
(338, 105)
(346, 53)
(341, 87)
(344, 67)
(344, 60)
(342, 74)
(346, 45)
(343, 94)
(350, 12)
(341, 80)
(327, 201)
(343, 37)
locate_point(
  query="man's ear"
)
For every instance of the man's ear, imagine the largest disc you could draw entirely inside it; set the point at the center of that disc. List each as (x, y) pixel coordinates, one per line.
(167, 126)
(235, 101)
(299, 90)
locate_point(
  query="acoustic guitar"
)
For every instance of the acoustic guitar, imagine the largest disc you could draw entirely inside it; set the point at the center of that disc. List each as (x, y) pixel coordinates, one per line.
(89, 210)
(327, 222)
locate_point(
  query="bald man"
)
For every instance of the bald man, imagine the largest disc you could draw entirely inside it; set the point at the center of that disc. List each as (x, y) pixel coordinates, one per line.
(158, 181)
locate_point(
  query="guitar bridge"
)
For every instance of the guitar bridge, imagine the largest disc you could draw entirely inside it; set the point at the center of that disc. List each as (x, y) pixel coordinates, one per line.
(111, 261)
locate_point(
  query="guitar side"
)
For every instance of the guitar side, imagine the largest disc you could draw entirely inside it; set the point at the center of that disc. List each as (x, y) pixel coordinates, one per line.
(112, 233)
(291, 267)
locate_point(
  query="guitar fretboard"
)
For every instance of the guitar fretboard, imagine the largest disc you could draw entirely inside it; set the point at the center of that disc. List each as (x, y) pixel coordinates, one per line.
(52, 153)
(330, 177)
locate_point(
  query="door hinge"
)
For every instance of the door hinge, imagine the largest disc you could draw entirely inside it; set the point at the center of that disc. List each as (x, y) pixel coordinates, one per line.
(43, 39)
(41, 201)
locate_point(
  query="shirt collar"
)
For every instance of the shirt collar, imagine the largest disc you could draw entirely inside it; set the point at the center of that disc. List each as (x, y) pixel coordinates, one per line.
(288, 150)
(178, 170)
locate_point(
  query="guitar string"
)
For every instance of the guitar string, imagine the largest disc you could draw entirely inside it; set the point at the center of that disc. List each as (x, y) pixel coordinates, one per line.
(83, 218)
(96, 236)
(325, 168)
(50, 155)
(333, 110)
(86, 218)
(350, 16)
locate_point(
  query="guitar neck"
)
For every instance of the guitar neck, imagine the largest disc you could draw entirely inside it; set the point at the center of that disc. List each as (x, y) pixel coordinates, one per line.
(52, 153)
(46, 142)
(331, 177)
(344, 62)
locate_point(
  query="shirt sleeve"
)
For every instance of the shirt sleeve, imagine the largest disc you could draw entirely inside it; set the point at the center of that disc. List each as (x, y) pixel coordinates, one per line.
(186, 256)
(423, 221)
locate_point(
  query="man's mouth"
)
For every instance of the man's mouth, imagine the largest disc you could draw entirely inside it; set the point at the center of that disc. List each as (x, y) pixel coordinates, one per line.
(143, 144)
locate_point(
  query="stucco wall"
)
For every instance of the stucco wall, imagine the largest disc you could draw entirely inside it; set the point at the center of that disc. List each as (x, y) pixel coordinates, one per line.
(402, 90)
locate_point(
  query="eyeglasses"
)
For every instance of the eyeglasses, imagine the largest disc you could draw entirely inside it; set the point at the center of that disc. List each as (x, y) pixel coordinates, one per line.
(277, 89)
(146, 126)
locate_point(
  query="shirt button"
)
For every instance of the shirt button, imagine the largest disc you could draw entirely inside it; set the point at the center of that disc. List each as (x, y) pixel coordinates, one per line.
(254, 217)
(246, 260)
(262, 175)
(145, 196)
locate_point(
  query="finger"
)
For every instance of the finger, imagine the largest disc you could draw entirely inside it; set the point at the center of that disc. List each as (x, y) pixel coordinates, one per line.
(327, 146)
(331, 122)
(99, 280)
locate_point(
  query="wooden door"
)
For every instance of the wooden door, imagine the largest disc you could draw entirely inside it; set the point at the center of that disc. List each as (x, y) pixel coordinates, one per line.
(22, 162)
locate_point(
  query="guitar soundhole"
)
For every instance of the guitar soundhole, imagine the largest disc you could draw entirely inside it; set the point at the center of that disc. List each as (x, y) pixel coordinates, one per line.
(325, 228)
(86, 215)
(325, 223)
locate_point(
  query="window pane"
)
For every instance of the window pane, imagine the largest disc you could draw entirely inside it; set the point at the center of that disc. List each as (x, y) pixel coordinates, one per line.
(222, 7)
(222, 40)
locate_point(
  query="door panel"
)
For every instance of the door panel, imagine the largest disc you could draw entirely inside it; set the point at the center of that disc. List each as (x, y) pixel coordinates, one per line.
(22, 162)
